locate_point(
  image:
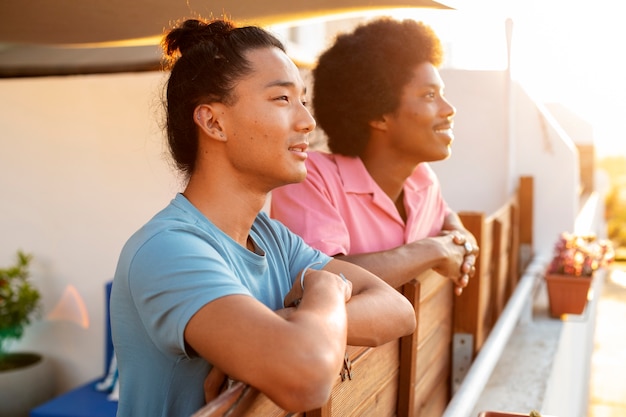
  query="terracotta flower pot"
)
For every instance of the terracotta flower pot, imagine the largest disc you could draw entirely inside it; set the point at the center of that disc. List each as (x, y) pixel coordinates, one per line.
(505, 414)
(567, 293)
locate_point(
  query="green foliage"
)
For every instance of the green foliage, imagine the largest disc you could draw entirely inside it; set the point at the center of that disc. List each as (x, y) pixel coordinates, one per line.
(19, 300)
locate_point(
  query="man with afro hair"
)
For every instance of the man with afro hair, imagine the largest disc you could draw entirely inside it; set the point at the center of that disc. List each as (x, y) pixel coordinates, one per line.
(374, 200)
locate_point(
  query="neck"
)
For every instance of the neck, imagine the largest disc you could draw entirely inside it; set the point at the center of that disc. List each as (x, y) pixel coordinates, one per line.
(228, 206)
(388, 169)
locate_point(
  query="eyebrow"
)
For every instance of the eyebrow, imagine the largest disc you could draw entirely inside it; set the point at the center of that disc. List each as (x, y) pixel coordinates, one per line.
(288, 84)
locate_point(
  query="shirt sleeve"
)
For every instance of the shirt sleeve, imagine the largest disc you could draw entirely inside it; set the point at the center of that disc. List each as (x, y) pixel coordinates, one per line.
(176, 273)
(308, 209)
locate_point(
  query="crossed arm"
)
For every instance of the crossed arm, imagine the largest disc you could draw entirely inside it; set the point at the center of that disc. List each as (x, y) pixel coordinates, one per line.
(294, 355)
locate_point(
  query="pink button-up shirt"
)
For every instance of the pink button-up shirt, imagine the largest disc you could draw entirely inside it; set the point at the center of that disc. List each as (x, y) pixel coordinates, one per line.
(339, 208)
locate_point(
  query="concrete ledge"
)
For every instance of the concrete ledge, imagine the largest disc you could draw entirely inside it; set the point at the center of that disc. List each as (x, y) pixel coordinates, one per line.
(546, 363)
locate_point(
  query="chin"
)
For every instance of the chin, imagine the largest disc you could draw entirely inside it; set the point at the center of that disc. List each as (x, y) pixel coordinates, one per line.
(295, 178)
(299, 178)
(301, 174)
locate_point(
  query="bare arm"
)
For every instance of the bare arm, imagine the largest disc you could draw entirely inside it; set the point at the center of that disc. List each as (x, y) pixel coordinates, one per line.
(446, 254)
(301, 353)
(377, 313)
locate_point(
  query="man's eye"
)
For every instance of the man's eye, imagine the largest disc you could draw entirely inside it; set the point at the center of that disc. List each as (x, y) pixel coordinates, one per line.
(283, 98)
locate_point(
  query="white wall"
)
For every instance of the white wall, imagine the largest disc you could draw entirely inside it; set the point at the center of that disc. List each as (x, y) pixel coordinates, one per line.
(82, 166)
(494, 146)
(545, 151)
(480, 147)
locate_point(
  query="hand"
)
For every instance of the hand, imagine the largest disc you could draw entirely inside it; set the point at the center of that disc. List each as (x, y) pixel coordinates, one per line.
(459, 264)
(294, 296)
(214, 384)
(468, 268)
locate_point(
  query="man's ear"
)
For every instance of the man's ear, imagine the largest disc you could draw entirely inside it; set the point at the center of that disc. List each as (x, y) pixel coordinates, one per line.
(205, 117)
(379, 124)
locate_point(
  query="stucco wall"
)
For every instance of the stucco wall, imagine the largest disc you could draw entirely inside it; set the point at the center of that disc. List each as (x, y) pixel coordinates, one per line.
(81, 167)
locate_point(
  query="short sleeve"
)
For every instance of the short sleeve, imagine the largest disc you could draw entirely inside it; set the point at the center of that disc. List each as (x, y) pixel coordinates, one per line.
(168, 294)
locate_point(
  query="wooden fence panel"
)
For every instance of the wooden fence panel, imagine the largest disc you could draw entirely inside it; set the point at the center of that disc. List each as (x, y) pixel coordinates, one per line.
(471, 313)
(501, 237)
(408, 352)
(434, 345)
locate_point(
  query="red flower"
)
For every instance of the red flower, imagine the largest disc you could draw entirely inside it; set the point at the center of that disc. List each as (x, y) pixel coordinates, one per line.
(579, 255)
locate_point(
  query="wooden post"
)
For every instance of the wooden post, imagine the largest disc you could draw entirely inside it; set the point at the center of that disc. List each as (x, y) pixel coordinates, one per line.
(408, 355)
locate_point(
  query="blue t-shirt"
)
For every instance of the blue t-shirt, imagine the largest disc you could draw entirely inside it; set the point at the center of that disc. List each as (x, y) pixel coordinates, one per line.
(169, 269)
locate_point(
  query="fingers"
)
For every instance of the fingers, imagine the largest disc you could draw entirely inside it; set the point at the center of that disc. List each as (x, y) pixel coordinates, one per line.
(295, 294)
(468, 268)
(461, 284)
(213, 383)
(462, 240)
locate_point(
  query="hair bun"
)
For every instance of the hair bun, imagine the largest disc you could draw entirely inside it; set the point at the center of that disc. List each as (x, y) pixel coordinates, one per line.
(192, 33)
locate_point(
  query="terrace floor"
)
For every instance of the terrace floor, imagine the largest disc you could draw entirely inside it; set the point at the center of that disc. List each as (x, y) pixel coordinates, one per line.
(607, 397)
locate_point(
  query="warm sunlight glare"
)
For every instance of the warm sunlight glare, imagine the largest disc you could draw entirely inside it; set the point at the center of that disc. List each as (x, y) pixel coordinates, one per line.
(70, 307)
(564, 51)
(618, 276)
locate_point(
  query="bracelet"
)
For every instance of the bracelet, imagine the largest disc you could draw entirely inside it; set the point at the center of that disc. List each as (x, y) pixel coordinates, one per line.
(304, 270)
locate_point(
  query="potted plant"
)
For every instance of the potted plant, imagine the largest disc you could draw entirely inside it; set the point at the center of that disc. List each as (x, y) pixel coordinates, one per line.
(24, 376)
(571, 271)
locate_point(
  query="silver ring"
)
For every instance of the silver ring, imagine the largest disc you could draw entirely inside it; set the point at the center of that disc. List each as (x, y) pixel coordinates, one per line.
(469, 248)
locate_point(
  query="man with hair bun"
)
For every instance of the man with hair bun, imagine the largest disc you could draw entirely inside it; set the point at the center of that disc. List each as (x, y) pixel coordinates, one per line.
(211, 282)
(374, 201)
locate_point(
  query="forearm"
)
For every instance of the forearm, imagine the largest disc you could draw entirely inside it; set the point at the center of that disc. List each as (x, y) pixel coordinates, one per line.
(375, 319)
(400, 265)
(377, 313)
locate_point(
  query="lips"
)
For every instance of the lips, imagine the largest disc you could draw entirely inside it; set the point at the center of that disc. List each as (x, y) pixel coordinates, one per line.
(445, 128)
(300, 147)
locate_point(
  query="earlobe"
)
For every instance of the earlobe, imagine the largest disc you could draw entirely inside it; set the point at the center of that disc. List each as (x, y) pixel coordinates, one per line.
(205, 118)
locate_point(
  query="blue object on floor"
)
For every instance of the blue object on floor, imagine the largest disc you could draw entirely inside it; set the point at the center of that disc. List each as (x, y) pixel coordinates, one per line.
(84, 401)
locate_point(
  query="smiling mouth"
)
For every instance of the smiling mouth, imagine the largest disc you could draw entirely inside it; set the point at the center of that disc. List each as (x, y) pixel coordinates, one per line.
(445, 131)
(301, 147)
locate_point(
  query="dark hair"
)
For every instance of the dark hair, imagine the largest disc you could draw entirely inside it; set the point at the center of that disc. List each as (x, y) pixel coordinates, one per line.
(206, 59)
(361, 77)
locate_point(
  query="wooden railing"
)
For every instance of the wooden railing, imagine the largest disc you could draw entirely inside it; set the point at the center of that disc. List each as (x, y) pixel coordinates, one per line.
(415, 375)
(504, 237)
